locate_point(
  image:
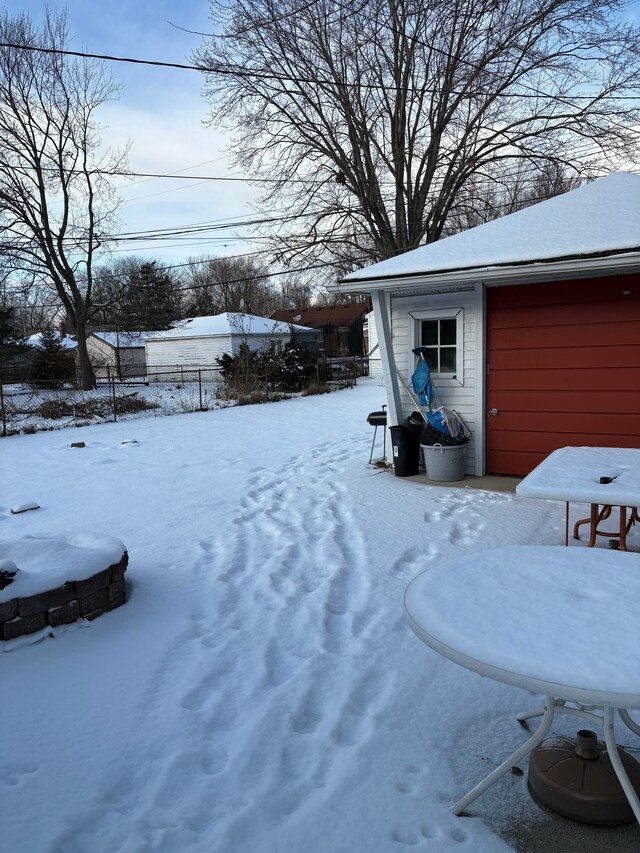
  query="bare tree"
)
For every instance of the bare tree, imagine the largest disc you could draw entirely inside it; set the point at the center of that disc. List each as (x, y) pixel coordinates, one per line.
(216, 285)
(296, 290)
(56, 207)
(478, 203)
(35, 306)
(376, 119)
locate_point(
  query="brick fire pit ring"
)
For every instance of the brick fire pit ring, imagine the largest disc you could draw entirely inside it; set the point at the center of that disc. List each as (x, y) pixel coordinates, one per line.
(47, 581)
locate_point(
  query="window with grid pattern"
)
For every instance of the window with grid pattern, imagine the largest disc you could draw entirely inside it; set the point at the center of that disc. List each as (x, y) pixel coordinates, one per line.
(440, 339)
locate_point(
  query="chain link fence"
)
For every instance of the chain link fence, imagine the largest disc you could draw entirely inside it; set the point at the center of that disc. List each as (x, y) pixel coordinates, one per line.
(30, 406)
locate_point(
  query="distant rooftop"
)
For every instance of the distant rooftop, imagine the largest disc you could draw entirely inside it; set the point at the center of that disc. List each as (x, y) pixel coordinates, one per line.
(123, 340)
(36, 341)
(225, 324)
(336, 315)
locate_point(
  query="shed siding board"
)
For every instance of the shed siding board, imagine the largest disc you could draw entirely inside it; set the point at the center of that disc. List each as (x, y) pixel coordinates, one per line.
(101, 355)
(564, 364)
(186, 351)
(104, 358)
(375, 361)
(169, 353)
(98, 348)
(463, 397)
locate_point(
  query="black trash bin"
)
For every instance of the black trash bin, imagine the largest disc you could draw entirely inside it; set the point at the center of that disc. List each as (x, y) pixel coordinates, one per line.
(406, 451)
(415, 421)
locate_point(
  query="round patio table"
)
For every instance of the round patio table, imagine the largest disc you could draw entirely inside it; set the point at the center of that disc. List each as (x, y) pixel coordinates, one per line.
(561, 622)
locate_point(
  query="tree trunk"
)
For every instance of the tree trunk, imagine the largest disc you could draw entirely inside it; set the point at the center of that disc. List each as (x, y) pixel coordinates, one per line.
(87, 376)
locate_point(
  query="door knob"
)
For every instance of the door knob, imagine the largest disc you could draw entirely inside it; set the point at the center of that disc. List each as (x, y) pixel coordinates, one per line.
(493, 412)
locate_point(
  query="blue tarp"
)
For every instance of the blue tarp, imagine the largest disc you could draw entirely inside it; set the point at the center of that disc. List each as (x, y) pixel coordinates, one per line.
(421, 383)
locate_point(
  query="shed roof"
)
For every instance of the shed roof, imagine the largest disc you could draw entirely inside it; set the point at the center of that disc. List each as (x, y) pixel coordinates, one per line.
(316, 317)
(225, 324)
(598, 218)
(123, 340)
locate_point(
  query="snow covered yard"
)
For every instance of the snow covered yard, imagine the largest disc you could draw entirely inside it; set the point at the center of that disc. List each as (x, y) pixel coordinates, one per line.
(260, 691)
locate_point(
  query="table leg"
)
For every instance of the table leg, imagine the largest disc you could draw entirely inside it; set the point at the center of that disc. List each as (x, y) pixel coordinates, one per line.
(621, 773)
(623, 528)
(529, 745)
(584, 711)
(625, 716)
(595, 517)
(592, 521)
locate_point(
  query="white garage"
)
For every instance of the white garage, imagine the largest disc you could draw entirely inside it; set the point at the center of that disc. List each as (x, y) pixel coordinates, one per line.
(196, 343)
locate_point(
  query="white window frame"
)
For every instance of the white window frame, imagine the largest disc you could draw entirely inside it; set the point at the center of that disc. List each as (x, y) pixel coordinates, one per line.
(415, 321)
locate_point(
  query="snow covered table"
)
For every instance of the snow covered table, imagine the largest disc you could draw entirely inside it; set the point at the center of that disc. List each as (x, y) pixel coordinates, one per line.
(556, 621)
(601, 476)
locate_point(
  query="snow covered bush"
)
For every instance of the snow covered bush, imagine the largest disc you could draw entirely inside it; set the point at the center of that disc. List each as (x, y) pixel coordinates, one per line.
(287, 369)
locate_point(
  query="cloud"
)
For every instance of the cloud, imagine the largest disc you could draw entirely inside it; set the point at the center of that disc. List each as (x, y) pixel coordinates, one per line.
(170, 141)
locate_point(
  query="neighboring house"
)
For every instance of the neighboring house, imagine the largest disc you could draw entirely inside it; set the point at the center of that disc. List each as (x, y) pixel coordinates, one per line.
(197, 343)
(372, 346)
(68, 343)
(118, 354)
(532, 323)
(341, 325)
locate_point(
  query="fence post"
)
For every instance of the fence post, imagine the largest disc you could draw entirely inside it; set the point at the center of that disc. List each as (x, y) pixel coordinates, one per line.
(113, 398)
(4, 420)
(200, 387)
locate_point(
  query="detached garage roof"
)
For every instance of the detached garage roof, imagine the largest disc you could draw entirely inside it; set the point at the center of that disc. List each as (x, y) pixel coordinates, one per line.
(123, 340)
(317, 317)
(598, 219)
(225, 324)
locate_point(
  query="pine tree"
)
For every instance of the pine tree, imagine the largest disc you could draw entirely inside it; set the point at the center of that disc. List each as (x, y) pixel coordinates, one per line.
(50, 367)
(10, 343)
(152, 301)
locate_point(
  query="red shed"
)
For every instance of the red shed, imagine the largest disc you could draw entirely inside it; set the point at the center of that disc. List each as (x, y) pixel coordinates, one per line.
(533, 321)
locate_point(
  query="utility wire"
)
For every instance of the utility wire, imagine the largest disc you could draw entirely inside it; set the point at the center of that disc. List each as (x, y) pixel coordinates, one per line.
(243, 72)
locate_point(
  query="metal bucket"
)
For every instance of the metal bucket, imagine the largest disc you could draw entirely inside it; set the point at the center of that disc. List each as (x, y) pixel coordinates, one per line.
(444, 464)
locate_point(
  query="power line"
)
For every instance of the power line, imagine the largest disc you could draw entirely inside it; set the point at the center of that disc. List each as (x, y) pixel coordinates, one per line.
(191, 231)
(243, 72)
(287, 271)
(221, 178)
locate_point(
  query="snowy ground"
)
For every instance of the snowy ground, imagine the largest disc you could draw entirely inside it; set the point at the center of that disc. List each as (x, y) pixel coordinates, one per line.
(260, 692)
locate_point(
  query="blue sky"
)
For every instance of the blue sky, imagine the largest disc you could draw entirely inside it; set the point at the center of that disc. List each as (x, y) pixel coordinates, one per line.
(161, 113)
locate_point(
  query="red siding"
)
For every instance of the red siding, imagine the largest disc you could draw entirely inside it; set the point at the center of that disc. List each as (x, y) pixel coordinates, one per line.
(564, 369)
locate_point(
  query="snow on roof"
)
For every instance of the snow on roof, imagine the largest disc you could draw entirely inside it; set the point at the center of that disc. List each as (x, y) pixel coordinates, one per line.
(36, 341)
(123, 339)
(597, 218)
(226, 324)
